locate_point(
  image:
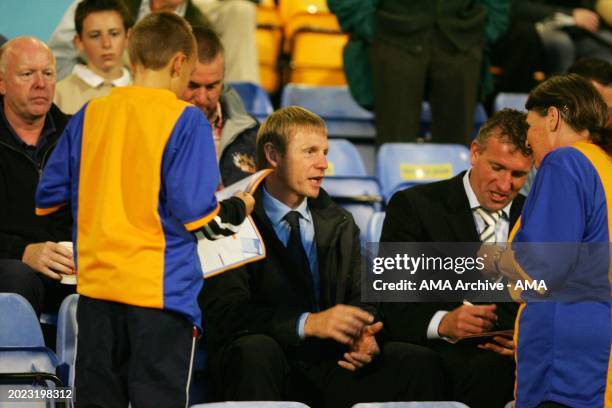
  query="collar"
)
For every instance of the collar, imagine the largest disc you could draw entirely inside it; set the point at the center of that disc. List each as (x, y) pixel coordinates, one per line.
(276, 210)
(474, 204)
(94, 80)
(145, 9)
(218, 120)
(48, 129)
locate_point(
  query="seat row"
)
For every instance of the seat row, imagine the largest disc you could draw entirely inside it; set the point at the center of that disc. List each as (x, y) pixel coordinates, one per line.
(343, 116)
(299, 41)
(398, 166)
(26, 362)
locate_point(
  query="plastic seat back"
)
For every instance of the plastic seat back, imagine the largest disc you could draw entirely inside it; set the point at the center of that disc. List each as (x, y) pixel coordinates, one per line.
(510, 100)
(342, 115)
(255, 98)
(401, 165)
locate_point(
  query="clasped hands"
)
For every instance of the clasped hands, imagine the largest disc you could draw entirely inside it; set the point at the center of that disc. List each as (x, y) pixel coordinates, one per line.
(348, 325)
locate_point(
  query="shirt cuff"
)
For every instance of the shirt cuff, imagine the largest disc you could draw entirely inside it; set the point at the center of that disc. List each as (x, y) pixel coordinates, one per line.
(434, 323)
(301, 325)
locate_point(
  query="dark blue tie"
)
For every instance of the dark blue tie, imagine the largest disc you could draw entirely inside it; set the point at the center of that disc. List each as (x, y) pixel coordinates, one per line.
(295, 245)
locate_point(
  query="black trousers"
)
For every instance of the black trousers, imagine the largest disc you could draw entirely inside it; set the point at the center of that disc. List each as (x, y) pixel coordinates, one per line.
(130, 354)
(43, 293)
(448, 78)
(255, 367)
(478, 378)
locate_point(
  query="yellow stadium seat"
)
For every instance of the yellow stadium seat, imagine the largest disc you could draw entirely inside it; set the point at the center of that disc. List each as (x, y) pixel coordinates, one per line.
(289, 8)
(269, 39)
(316, 58)
(268, 49)
(305, 15)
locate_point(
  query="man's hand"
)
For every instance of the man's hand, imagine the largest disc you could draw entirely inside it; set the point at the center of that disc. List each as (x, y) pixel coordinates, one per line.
(466, 320)
(363, 350)
(249, 201)
(49, 258)
(342, 323)
(586, 19)
(501, 345)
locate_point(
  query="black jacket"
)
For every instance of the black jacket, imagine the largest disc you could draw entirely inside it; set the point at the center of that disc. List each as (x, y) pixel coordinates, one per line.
(436, 212)
(268, 296)
(19, 175)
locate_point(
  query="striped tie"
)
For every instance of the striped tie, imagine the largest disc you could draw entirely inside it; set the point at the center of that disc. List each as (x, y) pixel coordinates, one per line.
(490, 219)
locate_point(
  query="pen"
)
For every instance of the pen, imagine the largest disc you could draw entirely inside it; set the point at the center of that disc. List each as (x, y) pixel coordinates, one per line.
(495, 323)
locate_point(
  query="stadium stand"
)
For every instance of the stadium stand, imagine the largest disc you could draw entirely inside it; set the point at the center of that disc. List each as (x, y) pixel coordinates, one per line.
(400, 165)
(510, 100)
(256, 100)
(24, 359)
(347, 182)
(342, 115)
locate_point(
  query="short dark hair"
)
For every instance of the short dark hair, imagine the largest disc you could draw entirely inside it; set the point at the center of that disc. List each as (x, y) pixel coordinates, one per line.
(579, 105)
(510, 126)
(158, 37)
(87, 7)
(593, 69)
(209, 44)
(278, 128)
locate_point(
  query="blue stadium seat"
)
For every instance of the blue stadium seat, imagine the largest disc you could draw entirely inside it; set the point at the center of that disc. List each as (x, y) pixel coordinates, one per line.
(24, 359)
(342, 115)
(347, 182)
(415, 404)
(480, 117)
(375, 227)
(344, 160)
(255, 98)
(252, 404)
(67, 334)
(358, 195)
(510, 100)
(401, 165)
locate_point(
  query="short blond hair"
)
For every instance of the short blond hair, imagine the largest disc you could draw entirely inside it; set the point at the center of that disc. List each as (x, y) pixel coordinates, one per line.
(158, 37)
(280, 126)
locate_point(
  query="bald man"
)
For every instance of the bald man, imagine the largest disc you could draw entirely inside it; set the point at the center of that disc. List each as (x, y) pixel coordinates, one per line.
(30, 125)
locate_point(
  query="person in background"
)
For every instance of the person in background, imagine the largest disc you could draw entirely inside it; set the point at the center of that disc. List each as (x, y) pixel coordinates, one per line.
(234, 130)
(101, 34)
(31, 258)
(235, 21)
(599, 72)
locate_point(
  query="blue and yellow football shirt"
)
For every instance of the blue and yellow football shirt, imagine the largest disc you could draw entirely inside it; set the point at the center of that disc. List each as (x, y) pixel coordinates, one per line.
(139, 170)
(564, 337)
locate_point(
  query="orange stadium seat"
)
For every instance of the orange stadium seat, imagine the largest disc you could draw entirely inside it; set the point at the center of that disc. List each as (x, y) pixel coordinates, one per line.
(306, 15)
(268, 38)
(316, 58)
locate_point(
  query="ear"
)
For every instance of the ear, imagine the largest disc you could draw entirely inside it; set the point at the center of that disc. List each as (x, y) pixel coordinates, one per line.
(177, 64)
(475, 151)
(272, 155)
(2, 85)
(78, 44)
(553, 119)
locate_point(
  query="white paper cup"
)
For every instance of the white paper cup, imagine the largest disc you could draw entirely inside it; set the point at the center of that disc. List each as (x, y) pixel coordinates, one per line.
(68, 279)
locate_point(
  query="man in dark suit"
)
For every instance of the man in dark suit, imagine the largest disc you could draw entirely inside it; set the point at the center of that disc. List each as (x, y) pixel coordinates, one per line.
(481, 204)
(291, 326)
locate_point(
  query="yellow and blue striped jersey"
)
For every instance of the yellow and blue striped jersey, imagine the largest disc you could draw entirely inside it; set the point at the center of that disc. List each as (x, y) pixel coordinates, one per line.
(138, 168)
